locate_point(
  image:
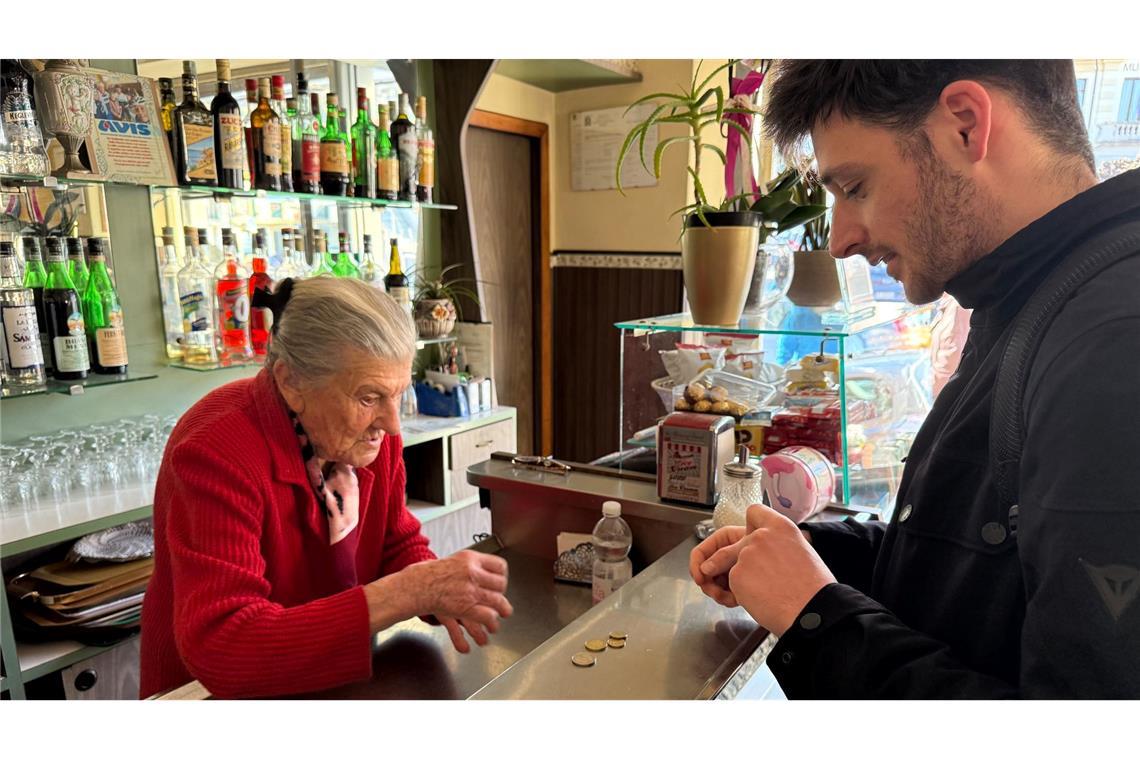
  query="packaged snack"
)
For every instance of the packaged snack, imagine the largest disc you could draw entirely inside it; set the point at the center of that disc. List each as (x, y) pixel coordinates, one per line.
(720, 392)
(687, 361)
(749, 364)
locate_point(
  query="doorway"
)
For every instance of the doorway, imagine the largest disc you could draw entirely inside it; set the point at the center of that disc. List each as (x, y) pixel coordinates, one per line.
(507, 161)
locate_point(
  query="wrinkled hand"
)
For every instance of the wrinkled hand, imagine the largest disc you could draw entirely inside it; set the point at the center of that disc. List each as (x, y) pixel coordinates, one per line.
(464, 591)
(777, 572)
(710, 562)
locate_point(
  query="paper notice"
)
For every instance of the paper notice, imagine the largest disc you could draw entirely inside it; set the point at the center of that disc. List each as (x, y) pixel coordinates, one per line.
(595, 141)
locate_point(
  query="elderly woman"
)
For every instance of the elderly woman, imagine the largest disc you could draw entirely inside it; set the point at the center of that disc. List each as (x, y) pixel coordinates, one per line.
(283, 544)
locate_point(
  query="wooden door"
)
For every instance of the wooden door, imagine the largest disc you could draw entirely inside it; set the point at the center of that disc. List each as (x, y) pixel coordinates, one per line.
(503, 182)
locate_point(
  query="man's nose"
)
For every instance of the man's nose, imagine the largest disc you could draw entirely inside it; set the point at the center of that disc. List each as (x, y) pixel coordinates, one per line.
(848, 234)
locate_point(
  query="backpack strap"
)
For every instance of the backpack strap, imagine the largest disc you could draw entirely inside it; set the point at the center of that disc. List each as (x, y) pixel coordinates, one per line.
(1007, 424)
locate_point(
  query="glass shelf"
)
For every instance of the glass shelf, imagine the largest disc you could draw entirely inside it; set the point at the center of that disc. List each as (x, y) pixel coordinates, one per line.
(834, 323)
(423, 342)
(214, 367)
(73, 387)
(215, 193)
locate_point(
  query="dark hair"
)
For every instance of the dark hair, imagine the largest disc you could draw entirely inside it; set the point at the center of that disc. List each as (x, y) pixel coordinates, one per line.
(901, 94)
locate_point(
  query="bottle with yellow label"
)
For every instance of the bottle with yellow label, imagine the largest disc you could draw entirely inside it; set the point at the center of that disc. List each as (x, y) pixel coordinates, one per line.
(387, 163)
(266, 141)
(229, 138)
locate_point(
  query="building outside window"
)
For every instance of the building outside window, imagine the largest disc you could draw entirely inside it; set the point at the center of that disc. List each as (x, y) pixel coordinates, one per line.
(1110, 104)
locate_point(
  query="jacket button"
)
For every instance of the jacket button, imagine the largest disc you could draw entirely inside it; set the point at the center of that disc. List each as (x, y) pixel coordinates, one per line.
(905, 513)
(810, 621)
(993, 533)
(786, 658)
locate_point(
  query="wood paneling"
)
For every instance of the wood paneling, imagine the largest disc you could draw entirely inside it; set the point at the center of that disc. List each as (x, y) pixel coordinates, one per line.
(501, 172)
(588, 378)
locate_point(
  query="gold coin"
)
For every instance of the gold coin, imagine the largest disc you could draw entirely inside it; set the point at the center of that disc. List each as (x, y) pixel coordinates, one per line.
(619, 635)
(583, 659)
(596, 645)
(616, 643)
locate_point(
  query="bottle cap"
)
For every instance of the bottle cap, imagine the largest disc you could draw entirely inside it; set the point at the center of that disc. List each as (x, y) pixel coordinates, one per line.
(227, 236)
(611, 509)
(54, 247)
(250, 85)
(259, 239)
(223, 69)
(203, 236)
(741, 467)
(189, 68)
(75, 245)
(278, 80)
(263, 87)
(165, 83)
(32, 247)
(98, 247)
(331, 99)
(291, 103)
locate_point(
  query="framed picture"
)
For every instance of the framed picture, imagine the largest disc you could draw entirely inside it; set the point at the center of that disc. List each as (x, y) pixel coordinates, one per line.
(127, 142)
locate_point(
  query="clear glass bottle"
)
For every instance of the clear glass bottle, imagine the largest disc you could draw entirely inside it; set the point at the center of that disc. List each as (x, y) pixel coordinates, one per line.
(210, 255)
(277, 90)
(195, 298)
(77, 263)
(322, 262)
(288, 266)
(103, 316)
(612, 540)
(425, 157)
(231, 305)
(168, 290)
(369, 271)
(23, 353)
(21, 142)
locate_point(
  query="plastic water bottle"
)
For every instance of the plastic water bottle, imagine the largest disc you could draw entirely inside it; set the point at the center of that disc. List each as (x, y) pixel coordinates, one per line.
(612, 540)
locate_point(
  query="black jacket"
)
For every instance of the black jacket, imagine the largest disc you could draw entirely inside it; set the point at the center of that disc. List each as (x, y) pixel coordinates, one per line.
(947, 601)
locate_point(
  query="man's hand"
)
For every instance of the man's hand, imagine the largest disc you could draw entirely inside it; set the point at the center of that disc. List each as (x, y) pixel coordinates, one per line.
(776, 571)
(710, 562)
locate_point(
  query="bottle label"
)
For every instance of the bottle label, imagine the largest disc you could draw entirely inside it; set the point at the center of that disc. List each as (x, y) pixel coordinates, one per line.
(389, 170)
(111, 346)
(235, 306)
(286, 155)
(23, 117)
(22, 337)
(407, 146)
(70, 351)
(334, 160)
(194, 315)
(402, 296)
(271, 147)
(199, 151)
(311, 158)
(233, 141)
(426, 176)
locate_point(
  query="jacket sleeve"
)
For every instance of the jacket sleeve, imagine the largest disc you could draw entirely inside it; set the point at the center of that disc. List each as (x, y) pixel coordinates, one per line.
(848, 548)
(404, 544)
(1079, 517)
(232, 638)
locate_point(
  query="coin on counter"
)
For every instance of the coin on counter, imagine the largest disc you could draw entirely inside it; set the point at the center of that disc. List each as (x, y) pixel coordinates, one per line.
(583, 659)
(616, 643)
(619, 635)
(596, 645)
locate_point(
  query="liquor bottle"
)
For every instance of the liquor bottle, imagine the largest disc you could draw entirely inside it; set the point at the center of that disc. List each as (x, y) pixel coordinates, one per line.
(193, 135)
(23, 353)
(306, 143)
(334, 151)
(232, 303)
(404, 139)
(363, 148)
(250, 107)
(321, 260)
(210, 257)
(168, 291)
(260, 319)
(300, 260)
(387, 163)
(425, 157)
(288, 266)
(103, 316)
(77, 264)
(22, 145)
(396, 282)
(266, 141)
(315, 106)
(281, 109)
(369, 271)
(195, 298)
(229, 158)
(345, 266)
(66, 331)
(166, 110)
(35, 278)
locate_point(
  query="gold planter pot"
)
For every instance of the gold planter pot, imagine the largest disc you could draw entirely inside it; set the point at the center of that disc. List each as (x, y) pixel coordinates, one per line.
(718, 263)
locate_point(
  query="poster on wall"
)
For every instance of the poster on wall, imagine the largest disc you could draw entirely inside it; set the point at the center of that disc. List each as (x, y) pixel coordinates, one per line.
(596, 138)
(127, 142)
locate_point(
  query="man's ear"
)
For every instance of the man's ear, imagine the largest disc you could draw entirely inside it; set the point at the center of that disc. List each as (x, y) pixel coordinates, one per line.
(965, 107)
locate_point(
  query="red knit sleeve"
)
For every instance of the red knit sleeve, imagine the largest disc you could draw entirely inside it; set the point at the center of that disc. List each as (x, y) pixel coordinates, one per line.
(229, 634)
(404, 544)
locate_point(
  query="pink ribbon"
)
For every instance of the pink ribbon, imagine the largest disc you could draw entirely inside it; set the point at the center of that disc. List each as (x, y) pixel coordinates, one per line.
(746, 86)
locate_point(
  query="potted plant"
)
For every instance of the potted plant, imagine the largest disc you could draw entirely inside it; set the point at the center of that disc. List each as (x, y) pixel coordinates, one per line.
(815, 281)
(436, 303)
(719, 242)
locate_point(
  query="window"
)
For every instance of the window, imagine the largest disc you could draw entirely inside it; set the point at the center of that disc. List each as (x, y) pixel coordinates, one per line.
(1081, 92)
(1130, 101)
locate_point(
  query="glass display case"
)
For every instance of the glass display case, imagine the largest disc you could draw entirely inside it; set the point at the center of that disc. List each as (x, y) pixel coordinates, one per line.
(856, 387)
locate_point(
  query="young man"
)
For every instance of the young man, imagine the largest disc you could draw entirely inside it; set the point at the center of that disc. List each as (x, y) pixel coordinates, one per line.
(974, 178)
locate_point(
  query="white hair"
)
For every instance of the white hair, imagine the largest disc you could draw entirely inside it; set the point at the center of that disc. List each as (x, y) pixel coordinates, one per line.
(326, 315)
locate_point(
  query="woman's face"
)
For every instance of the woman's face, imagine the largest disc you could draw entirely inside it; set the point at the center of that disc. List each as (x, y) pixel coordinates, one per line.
(347, 418)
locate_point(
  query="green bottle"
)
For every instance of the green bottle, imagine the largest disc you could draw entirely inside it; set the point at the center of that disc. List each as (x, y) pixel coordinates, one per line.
(345, 266)
(65, 323)
(363, 148)
(103, 316)
(35, 277)
(77, 264)
(335, 169)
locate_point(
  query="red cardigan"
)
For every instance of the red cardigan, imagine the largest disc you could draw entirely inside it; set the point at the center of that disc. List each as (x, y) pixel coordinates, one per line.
(240, 596)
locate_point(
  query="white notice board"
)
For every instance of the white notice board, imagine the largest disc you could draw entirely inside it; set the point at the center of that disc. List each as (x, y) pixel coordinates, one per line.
(595, 141)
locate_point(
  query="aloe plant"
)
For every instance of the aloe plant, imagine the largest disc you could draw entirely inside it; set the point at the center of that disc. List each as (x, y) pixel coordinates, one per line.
(700, 106)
